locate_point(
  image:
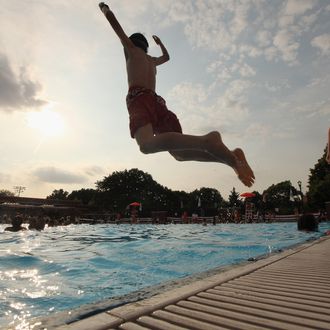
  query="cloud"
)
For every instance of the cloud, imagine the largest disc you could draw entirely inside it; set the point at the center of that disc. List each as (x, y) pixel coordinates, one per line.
(191, 94)
(223, 71)
(299, 7)
(51, 174)
(179, 11)
(94, 170)
(258, 130)
(29, 42)
(4, 178)
(272, 29)
(320, 108)
(322, 42)
(232, 105)
(276, 86)
(287, 45)
(201, 109)
(17, 91)
(294, 19)
(263, 38)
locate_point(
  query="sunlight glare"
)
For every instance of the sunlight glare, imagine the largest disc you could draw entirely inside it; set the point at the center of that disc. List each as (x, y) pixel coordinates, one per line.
(49, 123)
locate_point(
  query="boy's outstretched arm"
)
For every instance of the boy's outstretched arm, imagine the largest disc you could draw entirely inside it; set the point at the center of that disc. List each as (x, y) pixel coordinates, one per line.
(127, 43)
(165, 57)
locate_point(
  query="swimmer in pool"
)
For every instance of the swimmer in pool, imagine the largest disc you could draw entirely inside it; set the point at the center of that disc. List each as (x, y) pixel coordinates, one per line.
(16, 223)
(152, 125)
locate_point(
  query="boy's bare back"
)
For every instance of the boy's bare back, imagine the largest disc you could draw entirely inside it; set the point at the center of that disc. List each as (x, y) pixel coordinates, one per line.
(141, 68)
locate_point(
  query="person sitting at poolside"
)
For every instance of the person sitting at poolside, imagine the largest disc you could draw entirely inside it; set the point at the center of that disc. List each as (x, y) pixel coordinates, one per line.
(16, 224)
(308, 222)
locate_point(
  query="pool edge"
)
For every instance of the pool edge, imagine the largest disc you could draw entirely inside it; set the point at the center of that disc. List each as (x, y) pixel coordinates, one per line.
(104, 315)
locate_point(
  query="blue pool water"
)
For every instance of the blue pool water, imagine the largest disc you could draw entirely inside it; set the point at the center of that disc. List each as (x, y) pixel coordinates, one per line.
(65, 267)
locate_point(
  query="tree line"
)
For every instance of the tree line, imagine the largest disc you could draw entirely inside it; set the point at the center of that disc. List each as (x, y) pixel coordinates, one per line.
(117, 190)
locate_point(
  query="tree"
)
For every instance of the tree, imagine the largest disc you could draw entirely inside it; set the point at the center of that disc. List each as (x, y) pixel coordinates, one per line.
(178, 202)
(257, 201)
(6, 193)
(86, 196)
(121, 188)
(58, 194)
(278, 196)
(319, 184)
(233, 198)
(210, 200)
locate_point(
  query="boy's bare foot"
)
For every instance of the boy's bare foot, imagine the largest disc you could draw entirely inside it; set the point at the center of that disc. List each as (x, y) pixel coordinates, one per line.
(242, 168)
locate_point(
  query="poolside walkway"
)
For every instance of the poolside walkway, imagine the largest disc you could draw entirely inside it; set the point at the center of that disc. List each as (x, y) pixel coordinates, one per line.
(289, 290)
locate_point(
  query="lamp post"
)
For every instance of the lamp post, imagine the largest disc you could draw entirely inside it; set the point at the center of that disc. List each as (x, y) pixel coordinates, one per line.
(301, 195)
(19, 190)
(199, 204)
(299, 184)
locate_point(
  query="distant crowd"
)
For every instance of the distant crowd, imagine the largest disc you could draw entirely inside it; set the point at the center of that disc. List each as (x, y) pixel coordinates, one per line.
(35, 222)
(306, 222)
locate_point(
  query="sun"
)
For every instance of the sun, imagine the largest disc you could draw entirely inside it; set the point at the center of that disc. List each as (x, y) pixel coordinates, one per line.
(48, 122)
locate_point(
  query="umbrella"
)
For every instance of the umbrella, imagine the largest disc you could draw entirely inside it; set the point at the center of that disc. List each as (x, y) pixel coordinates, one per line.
(135, 204)
(247, 194)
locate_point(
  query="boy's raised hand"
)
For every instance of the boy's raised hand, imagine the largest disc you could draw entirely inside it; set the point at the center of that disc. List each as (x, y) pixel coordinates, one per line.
(157, 40)
(104, 7)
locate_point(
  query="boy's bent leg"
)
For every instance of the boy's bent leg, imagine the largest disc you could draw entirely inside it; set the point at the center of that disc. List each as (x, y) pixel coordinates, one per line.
(172, 141)
(242, 168)
(144, 137)
(210, 143)
(150, 143)
(193, 155)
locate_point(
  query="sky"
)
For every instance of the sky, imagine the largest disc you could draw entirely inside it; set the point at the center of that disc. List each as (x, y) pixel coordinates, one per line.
(257, 71)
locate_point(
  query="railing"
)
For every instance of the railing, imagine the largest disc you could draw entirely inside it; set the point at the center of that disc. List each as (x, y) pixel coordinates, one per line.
(39, 201)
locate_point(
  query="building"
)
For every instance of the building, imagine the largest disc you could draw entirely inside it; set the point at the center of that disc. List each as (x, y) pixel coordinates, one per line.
(11, 205)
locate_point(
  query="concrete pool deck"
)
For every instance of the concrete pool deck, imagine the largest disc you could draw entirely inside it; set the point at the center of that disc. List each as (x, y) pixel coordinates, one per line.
(287, 290)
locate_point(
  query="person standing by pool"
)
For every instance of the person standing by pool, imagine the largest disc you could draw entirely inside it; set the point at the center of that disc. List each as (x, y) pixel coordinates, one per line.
(152, 125)
(307, 222)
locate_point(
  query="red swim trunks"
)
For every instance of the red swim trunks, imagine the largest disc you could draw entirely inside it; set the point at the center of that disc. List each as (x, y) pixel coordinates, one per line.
(144, 107)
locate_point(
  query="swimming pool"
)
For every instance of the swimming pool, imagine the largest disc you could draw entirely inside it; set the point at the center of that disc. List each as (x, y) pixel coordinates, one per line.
(64, 267)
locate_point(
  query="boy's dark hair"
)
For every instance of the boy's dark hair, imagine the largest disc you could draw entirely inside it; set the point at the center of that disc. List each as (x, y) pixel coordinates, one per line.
(140, 41)
(308, 222)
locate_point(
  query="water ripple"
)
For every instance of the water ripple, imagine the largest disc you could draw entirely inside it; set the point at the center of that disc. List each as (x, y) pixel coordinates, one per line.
(64, 267)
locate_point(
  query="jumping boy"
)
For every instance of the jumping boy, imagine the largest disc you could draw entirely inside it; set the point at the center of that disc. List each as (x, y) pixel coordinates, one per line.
(152, 125)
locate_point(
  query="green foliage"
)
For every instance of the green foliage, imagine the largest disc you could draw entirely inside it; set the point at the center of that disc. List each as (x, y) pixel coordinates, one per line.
(86, 196)
(257, 199)
(319, 193)
(210, 200)
(233, 198)
(278, 196)
(59, 194)
(319, 184)
(122, 188)
(116, 191)
(119, 189)
(6, 193)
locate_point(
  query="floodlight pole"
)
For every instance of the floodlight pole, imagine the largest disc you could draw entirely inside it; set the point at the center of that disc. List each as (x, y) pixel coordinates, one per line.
(19, 190)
